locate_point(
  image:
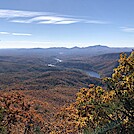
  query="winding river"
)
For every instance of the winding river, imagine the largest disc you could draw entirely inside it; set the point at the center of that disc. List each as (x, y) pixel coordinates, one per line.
(88, 72)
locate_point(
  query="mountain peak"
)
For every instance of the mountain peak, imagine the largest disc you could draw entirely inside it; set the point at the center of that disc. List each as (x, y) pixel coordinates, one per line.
(100, 46)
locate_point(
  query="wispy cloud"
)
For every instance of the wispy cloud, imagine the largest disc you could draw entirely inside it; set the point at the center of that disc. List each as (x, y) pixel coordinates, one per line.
(58, 22)
(21, 34)
(49, 20)
(52, 18)
(128, 29)
(5, 33)
(15, 34)
(16, 13)
(17, 16)
(67, 22)
(97, 22)
(46, 22)
(20, 21)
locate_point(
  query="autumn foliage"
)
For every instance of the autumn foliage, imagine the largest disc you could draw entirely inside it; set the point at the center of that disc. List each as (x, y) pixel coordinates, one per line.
(19, 114)
(107, 109)
(96, 110)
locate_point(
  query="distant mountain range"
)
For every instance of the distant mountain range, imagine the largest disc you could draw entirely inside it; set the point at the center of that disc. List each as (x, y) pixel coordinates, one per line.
(75, 51)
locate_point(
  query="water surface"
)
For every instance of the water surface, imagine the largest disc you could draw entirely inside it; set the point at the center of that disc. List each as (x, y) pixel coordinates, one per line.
(92, 73)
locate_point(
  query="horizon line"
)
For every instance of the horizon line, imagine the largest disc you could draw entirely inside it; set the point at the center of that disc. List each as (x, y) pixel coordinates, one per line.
(66, 47)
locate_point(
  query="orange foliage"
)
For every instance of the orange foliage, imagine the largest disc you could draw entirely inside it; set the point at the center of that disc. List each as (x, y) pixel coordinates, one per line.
(20, 114)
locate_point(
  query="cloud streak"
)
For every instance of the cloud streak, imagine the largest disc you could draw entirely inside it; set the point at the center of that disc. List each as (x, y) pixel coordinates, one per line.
(97, 22)
(17, 13)
(15, 34)
(4, 33)
(21, 34)
(128, 29)
(17, 16)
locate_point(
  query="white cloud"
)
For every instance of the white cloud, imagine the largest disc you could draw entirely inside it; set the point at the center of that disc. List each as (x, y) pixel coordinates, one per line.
(20, 21)
(46, 22)
(66, 22)
(38, 17)
(17, 16)
(97, 22)
(17, 13)
(5, 33)
(49, 20)
(21, 34)
(15, 34)
(127, 29)
(52, 18)
(58, 22)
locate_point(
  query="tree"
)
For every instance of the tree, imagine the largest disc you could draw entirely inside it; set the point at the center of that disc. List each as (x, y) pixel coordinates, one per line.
(107, 109)
(18, 114)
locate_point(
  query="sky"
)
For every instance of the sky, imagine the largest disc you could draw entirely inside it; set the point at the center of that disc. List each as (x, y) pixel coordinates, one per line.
(66, 23)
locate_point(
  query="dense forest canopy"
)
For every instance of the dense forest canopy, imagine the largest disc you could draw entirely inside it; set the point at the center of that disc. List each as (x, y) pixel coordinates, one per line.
(107, 109)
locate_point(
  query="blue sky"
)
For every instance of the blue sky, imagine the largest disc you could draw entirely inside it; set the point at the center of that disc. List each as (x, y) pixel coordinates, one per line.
(66, 23)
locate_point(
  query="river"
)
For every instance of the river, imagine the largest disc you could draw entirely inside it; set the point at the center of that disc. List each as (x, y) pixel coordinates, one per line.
(92, 73)
(88, 72)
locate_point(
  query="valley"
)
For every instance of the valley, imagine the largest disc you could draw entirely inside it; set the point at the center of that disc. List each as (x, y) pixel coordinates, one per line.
(51, 80)
(38, 69)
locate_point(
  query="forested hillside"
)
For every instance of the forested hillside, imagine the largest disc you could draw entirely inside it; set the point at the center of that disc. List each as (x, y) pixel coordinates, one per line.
(34, 73)
(108, 109)
(96, 109)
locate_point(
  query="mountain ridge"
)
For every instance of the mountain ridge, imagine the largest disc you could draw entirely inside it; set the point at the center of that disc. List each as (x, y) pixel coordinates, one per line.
(75, 47)
(64, 51)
